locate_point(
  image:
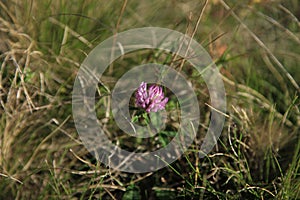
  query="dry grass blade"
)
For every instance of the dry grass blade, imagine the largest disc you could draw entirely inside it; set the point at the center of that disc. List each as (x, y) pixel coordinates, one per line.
(261, 44)
(7, 176)
(42, 46)
(254, 95)
(277, 24)
(28, 164)
(72, 32)
(290, 14)
(193, 34)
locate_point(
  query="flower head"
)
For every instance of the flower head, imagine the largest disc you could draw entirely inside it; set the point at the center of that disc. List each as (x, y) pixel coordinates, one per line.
(152, 100)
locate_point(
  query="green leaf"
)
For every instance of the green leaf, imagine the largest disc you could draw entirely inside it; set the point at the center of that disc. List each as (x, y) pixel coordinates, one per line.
(132, 193)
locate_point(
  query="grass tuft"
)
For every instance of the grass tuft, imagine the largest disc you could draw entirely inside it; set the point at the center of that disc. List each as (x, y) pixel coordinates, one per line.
(255, 45)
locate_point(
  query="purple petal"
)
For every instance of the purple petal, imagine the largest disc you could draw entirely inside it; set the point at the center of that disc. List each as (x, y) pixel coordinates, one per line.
(152, 99)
